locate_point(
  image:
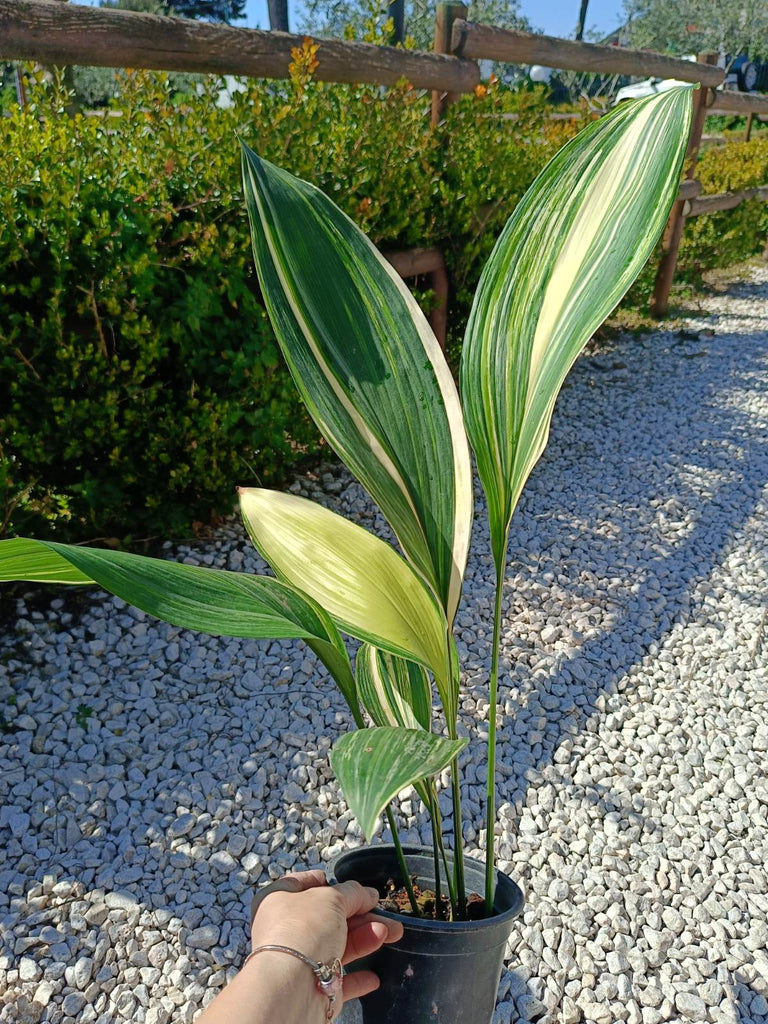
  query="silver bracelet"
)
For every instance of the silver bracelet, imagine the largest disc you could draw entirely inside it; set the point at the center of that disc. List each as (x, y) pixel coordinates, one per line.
(329, 976)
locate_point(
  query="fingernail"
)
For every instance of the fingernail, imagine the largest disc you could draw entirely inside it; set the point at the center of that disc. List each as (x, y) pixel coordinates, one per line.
(373, 893)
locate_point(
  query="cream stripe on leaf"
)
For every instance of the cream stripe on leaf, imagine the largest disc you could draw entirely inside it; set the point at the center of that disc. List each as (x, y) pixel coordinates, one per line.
(373, 765)
(571, 249)
(392, 690)
(368, 368)
(208, 600)
(369, 590)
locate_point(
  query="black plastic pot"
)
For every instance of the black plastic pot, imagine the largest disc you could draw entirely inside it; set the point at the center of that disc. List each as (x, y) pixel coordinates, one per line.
(440, 972)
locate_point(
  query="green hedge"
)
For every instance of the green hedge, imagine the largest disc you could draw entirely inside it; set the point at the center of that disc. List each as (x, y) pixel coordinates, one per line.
(731, 236)
(139, 378)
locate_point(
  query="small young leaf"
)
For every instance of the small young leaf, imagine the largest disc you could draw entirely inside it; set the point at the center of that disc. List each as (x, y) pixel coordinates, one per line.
(373, 765)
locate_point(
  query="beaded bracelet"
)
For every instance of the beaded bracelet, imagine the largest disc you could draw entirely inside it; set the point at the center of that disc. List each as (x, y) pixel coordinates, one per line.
(329, 976)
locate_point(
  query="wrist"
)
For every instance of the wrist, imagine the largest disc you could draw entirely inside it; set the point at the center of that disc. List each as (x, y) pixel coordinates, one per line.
(284, 988)
(313, 946)
(270, 988)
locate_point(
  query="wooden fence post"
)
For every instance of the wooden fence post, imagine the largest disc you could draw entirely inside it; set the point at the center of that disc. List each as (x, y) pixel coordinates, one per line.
(750, 119)
(674, 229)
(445, 15)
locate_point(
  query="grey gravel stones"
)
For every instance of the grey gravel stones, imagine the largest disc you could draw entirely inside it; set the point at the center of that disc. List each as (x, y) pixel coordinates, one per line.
(633, 745)
(203, 938)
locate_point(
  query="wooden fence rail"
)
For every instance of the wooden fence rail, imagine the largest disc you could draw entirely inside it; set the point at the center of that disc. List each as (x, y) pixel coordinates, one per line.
(54, 33)
(428, 263)
(485, 42)
(50, 32)
(725, 101)
(724, 201)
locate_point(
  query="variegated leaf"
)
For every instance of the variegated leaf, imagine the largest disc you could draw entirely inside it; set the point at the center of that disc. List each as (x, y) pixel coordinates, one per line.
(392, 690)
(209, 600)
(373, 765)
(570, 250)
(368, 368)
(371, 592)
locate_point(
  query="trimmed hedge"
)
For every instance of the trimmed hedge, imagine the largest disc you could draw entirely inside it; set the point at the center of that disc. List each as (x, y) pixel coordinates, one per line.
(139, 377)
(731, 236)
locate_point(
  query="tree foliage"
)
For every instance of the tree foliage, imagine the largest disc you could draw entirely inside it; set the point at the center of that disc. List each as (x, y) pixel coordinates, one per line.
(128, 286)
(728, 27)
(225, 11)
(366, 19)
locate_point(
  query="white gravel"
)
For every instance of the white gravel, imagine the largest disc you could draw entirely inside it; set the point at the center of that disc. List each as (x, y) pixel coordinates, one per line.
(151, 777)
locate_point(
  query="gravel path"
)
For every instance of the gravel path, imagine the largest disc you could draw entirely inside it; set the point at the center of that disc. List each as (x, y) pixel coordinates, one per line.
(149, 777)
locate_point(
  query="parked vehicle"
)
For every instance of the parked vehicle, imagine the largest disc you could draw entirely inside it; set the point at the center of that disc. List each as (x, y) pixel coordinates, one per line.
(648, 87)
(742, 73)
(747, 74)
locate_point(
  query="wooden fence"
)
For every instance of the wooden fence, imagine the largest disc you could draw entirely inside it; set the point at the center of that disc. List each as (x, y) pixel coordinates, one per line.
(52, 32)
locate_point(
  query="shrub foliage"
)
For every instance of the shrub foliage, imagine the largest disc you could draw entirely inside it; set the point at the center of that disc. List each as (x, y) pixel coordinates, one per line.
(139, 377)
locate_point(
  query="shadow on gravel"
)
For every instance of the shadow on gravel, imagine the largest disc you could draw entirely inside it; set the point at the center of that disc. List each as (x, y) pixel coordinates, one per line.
(751, 1006)
(742, 290)
(650, 575)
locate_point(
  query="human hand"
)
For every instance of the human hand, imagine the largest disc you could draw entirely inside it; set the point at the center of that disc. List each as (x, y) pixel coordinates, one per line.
(324, 922)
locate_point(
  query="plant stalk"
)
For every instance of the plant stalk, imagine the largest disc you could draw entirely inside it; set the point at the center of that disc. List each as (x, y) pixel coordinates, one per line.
(490, 812)
(435, 851)
(458, 842)
(401, 861)
(458, 821)
(443, 857)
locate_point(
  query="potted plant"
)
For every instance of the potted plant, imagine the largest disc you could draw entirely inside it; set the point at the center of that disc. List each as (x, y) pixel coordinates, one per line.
(374, 379)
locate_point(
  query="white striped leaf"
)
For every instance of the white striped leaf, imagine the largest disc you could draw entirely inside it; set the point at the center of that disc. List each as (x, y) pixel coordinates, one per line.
(371, 592)
(572, 247)
(368, 368)
(373, 765)
(392, 690)
(208, 600)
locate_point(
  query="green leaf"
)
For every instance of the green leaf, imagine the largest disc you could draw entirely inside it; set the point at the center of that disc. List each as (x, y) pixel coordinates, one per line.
(22, 559)
(207, 600)
(392, 690)
(373, 765)
(567, 255)
(368, 368)
(371, 592)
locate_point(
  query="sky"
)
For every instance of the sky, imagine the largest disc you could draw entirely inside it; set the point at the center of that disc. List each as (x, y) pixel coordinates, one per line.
(554, 17)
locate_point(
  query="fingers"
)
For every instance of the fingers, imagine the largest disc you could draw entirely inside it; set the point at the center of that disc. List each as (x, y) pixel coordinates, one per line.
(359, 984)
(394, 928)
(295, 881)
(305, 879)
(355, 898)
(367, 933)
(365, 940)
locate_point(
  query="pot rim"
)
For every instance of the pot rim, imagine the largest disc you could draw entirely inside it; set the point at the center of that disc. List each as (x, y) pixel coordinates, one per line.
(423, 924)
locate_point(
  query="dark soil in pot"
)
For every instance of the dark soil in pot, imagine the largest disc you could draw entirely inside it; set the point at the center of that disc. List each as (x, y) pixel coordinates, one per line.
(439, 972)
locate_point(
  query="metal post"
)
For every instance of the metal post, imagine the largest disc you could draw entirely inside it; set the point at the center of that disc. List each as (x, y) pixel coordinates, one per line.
(21, 90)
(396, 11)
(674, 229)
(445, 15)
